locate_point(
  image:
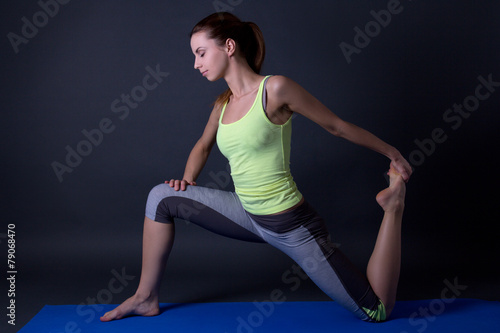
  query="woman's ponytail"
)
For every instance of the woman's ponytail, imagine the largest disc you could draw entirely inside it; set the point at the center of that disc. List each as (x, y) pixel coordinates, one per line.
(257, 50)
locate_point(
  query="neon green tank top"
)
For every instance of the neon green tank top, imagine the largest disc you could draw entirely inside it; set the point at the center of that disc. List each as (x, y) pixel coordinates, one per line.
(259, 156)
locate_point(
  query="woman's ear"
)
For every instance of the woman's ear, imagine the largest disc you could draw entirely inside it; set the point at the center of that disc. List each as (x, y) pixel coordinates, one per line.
(230, 47)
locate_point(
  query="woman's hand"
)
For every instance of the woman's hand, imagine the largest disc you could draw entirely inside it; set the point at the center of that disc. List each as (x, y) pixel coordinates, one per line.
(402, 167)
(180, 184)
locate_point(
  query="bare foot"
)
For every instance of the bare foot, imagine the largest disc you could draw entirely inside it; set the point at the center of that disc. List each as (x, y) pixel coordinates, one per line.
(134, 306)
(392, 198)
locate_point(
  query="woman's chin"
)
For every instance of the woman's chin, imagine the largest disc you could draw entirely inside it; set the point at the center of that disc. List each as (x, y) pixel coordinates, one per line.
(213, 78)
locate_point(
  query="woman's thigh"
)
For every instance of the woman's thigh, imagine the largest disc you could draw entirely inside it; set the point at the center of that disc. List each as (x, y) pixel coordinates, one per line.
(309, 245)
(215, 210)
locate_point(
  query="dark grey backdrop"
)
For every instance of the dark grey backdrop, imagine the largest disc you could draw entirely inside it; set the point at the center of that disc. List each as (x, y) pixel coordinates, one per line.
(68, 75)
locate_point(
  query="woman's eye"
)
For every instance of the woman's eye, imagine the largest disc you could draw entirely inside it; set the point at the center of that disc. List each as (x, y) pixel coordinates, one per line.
(201, 55)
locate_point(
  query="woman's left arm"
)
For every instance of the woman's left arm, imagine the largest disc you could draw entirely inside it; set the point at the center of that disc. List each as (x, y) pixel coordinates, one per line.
(293, 97)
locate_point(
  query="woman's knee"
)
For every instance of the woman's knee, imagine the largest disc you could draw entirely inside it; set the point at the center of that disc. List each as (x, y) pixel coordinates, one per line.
(162, 191)
(155, 196)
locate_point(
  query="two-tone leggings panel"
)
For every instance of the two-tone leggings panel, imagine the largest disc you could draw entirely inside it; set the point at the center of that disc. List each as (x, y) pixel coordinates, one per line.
(215, 210)
(300, 233)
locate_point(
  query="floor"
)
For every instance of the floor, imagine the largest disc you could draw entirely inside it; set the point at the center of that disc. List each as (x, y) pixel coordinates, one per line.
(90, 284)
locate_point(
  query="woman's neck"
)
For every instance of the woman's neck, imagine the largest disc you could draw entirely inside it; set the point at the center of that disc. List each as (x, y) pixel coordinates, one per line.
(241, 79)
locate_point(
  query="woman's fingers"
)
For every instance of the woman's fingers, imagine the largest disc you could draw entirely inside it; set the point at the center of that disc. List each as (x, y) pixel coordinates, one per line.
(403, 168)
(183, 185)
(178, 184)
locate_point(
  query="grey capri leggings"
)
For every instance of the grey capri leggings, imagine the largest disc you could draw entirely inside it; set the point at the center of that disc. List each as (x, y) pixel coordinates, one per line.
(300, 233)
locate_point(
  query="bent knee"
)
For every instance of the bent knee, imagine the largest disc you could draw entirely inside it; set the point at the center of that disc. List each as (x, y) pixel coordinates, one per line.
(378, 314)
(165, 203)
(155, 196)
(388, 309)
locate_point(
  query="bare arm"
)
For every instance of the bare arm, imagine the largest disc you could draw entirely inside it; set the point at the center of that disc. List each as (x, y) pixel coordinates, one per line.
(199, 154)
(291, 96)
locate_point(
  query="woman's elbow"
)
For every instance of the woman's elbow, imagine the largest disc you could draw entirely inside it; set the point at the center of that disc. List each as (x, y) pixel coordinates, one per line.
(336, 129)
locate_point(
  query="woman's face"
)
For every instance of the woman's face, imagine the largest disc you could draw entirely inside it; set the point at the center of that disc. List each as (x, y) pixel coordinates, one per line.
(210, 59)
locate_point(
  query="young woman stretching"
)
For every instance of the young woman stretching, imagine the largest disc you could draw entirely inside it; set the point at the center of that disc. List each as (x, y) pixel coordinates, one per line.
(251, 123)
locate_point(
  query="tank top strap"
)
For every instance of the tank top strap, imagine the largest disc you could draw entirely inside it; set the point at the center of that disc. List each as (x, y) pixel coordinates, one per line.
(264, 93)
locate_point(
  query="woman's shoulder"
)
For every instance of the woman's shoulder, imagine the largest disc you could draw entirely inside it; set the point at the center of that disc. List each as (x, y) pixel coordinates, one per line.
(217, 110)
(277, 83)
(277, 79)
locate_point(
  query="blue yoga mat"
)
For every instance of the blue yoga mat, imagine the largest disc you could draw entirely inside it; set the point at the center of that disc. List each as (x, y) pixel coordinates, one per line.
(452, 315)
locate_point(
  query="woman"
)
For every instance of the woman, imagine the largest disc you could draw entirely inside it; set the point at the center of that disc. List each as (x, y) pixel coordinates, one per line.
(251, 123)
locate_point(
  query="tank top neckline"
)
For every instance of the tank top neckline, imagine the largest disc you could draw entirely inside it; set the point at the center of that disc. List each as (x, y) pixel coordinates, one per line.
(249, 110)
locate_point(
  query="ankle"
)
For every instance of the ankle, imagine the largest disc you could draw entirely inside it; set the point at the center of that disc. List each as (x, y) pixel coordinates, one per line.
(396, 207)
(144, 296)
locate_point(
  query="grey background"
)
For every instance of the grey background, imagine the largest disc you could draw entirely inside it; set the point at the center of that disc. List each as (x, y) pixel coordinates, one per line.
(71, 235)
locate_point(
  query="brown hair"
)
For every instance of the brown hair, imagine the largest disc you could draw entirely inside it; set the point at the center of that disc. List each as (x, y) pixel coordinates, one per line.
(247, 35)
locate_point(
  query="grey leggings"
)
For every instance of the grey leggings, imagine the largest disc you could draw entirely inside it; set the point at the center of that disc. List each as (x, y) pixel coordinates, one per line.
(300, 233)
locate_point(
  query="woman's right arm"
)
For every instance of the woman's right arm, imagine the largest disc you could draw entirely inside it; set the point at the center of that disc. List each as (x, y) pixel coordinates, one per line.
(199, 154)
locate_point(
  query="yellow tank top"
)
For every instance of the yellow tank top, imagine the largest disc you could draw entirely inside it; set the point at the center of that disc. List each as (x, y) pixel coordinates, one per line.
(259, 156)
